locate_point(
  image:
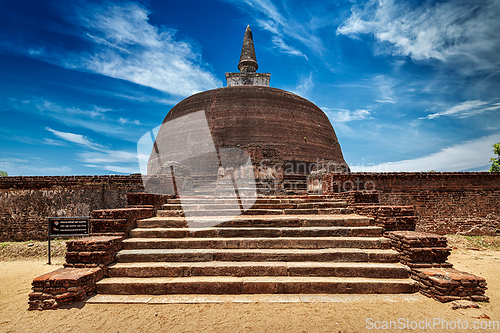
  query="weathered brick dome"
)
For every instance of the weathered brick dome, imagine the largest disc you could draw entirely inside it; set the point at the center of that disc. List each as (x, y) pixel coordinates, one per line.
(264, 117)
(272, 125)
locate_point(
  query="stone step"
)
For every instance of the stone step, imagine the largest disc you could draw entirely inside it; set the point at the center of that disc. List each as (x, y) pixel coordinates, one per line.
(234, 204)
(254, 285)
(294, 181)
(346, 220)
(336, 232)
(209, 183)
(319, 255)
(219, 212)
(252, 211)
(294, 184)
(203, 192)
(257, 200)
(224, 268)
(258, 243)
(205, 182)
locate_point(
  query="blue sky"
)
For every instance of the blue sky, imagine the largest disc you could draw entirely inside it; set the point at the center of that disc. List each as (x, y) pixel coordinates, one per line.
(407, 86)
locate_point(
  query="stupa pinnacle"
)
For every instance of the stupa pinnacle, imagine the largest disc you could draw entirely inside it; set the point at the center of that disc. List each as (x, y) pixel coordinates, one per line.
(248, 66)
(248, 60)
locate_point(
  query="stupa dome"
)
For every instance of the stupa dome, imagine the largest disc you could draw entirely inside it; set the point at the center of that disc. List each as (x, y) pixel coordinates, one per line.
(242, 116)
(247, 114)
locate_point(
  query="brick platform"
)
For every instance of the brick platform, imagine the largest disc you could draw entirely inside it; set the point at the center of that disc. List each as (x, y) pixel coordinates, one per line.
(391, 218)
(358, 197)
(63, 286)
(118, 221)
(92, 251)
(420, 249)
(86, 261)
(426, 255)
(449, 284)
(134, 200)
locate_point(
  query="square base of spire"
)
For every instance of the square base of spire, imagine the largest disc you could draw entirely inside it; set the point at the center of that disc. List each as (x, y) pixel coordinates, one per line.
(248, 79)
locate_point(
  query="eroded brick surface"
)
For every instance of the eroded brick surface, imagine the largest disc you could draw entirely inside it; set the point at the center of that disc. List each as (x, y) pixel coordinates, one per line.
(391, 218)
(26, 202)
(420, 249)
(119, 220)
(426, 255)
(147, 199)
(251, 115)
(444, 202)
(449, 284)
(93, 250)
(63, 286)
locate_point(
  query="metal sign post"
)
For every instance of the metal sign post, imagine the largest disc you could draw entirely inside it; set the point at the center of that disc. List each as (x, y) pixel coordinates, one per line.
(67, 227)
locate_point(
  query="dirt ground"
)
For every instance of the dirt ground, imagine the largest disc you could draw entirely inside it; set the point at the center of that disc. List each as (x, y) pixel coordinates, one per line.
(16, 277)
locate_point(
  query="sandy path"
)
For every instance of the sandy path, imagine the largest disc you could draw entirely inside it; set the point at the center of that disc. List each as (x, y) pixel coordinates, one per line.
(16, 277)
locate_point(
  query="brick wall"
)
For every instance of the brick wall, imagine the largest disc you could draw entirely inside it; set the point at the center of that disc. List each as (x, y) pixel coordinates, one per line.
(26, 202)
(444, 202)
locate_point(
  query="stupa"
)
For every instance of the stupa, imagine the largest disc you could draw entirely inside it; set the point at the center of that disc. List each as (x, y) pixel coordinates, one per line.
(274, 126)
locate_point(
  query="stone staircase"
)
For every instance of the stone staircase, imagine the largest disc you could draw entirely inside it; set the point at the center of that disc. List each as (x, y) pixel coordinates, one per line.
(281, 245)
(295, 183)
(204, 185)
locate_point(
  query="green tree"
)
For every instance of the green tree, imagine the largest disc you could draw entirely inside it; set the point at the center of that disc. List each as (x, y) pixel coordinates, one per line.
(495, 166)
(3, 174)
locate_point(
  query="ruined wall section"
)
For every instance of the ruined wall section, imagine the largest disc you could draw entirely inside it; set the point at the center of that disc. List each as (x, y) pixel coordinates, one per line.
(26, 202)
(445, 202)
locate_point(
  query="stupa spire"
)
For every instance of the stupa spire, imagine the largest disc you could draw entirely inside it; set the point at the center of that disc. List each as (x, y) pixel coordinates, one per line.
(248, 66)
(248, 60)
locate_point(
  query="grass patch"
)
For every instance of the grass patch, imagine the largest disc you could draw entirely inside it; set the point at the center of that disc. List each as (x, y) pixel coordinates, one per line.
(474, 242)
(32, 250)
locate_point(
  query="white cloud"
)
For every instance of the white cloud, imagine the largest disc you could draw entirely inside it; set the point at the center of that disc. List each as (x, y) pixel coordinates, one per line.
(384, 84)
(126, 120)
(100, 156)
(459, 31)
(31, 166)
(75, 138)
(108, 156)
(43, 105)
(343, 115)
(125, 45)
(52, 142)
(93, 117)
(128, 47)
(12, 160)
(305, 86)
(122, 169)
(460, 157)
(120, 161)
(285, 48)
(466, 109)
(283, 25)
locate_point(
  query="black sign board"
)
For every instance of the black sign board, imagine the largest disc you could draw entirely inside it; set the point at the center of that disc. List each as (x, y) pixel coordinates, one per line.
(68, 226)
